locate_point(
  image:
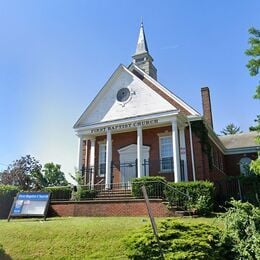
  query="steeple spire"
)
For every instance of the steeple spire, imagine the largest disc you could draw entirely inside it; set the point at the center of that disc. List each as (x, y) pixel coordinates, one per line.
(142, 57)
(141, 46)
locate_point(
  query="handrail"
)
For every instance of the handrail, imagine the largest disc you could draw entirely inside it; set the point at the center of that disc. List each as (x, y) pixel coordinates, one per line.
(99, 182)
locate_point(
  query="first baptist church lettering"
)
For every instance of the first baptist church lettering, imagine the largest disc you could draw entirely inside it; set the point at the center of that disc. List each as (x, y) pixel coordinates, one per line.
(136, 127)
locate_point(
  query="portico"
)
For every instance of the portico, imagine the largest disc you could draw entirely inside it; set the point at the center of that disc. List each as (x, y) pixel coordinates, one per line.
(135, 154)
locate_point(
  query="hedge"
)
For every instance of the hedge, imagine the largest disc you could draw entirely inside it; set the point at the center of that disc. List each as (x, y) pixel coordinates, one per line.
(7, 194)
(59, 192)
(201, 195)
(84, 193)
(179, 241)
(154, 186)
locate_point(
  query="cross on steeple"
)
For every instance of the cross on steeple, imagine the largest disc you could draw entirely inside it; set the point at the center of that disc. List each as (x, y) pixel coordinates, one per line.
(142, 57)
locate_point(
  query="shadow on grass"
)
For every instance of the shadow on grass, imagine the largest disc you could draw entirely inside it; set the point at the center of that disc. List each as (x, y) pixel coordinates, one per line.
(3, 255)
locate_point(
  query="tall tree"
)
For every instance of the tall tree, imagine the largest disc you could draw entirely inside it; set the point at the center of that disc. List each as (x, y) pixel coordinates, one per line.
(53, 175)
(25, 173)
(254, 52)
(231, 129)
(253, 65)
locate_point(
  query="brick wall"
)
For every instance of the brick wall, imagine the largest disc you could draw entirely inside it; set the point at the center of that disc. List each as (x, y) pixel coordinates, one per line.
(108, 208)
(232, 162)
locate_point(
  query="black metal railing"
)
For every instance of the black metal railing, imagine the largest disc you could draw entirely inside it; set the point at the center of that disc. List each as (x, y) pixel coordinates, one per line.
(127, 190)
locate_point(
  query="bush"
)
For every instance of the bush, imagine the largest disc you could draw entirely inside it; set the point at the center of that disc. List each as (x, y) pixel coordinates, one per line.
(242, 225)
(201, 195)
(85, 193)
(154, 186)
(7, 194)
(59, 192)
(178, 241)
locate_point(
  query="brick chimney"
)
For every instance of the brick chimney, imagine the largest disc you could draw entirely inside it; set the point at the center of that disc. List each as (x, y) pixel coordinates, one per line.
(206, 105)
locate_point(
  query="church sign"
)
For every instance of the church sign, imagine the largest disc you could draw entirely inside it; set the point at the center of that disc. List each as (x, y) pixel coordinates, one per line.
(124, 126)
(30, 204)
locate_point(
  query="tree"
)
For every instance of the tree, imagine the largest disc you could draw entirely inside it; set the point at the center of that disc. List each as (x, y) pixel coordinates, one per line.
(257, 126)
(231, 129)
(53, 175)
(254, 52)
(25, 173)
(253, 65)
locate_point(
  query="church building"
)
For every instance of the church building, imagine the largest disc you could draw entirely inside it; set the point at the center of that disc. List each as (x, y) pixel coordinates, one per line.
(136, 127)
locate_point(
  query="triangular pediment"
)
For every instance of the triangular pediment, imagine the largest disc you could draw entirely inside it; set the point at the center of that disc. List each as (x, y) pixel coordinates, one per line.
(142, 100)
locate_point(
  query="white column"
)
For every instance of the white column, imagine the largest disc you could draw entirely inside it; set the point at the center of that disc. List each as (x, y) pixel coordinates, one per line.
(80, 150)
(139, 152)
(92, 161)
(183, 151)
(86, 160)
(108, 159)
(175, 150)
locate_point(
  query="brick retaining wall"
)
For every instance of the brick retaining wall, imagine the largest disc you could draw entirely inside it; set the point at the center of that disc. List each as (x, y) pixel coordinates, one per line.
(108, 208)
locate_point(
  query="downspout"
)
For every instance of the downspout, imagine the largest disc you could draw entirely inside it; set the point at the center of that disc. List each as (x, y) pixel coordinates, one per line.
(192, 153)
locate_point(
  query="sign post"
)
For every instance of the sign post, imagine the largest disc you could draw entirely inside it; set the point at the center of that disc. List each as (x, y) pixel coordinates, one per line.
(152, 220)
(30, 204)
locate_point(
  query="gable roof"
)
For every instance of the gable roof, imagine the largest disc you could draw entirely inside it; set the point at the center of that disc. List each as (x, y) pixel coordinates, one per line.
(163, 91)
(155, 98)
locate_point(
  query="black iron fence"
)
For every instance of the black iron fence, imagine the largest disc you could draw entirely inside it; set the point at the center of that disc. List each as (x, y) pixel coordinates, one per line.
(128, 170)
(123, 190)
(244, 188)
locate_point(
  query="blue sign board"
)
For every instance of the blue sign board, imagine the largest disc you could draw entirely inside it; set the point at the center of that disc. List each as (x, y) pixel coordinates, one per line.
(30, 204)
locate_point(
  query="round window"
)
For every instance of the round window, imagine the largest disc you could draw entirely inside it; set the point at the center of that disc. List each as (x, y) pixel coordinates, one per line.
(123, 94)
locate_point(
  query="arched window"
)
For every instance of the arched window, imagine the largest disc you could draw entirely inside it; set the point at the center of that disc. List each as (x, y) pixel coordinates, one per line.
(244, 165)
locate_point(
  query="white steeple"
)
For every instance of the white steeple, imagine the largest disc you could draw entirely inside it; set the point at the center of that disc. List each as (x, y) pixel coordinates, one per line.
(142, 58)
(141, 46)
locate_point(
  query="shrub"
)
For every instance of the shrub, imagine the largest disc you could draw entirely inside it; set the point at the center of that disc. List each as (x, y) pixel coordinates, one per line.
(154, 186)
(178, 241)
(85, 193)
(59, 192)
(242, 225)
(201, 195)
(9, 190)
(7, 194)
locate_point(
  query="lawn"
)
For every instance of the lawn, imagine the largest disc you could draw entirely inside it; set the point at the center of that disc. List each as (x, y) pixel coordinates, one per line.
(72, 238)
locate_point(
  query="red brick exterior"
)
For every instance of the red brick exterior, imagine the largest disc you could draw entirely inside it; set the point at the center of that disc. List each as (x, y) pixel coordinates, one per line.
(108, 208)
(206, 104)
(232, 162)
(221, 165)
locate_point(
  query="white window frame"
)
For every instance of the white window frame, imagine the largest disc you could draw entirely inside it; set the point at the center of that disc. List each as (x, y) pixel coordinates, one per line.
(162, 169)
(102, 149)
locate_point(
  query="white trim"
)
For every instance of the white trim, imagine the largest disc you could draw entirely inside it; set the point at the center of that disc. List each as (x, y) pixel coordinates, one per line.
(108, 159)
(176, 151)
(101, 145)
(192, 153)
(80, 153)
(166, 135)
(162, 118)
(139, 152)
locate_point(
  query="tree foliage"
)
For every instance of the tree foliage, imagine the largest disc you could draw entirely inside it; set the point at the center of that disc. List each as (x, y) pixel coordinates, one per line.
(53, 175)
(231, 129)
(254, 52)
(27, 174)
(24, 173)
(242, 225)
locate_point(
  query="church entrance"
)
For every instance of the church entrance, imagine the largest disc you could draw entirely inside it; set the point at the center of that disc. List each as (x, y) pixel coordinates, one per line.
(128, 162)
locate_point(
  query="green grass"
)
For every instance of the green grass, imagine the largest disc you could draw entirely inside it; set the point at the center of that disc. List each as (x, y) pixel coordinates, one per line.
(72, 238)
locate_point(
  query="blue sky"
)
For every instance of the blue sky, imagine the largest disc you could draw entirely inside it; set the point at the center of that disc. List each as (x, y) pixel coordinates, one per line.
(56, 55)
